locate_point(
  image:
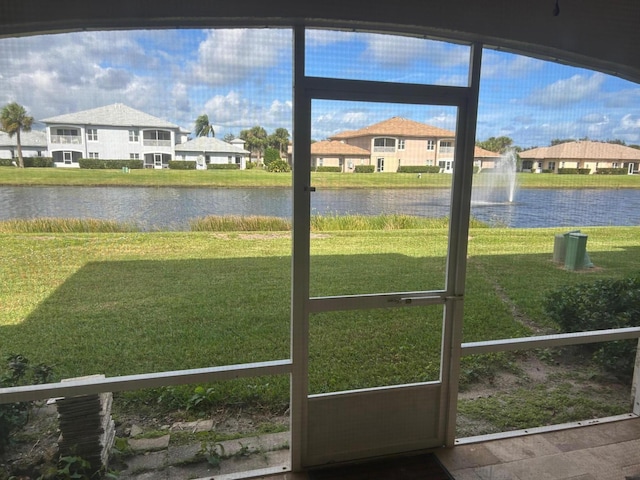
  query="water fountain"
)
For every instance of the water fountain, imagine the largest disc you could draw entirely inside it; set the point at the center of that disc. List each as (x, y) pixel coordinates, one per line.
(498, 185)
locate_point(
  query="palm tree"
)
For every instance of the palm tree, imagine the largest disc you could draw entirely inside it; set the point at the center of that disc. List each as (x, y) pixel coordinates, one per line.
(203, 127)
(14, 118)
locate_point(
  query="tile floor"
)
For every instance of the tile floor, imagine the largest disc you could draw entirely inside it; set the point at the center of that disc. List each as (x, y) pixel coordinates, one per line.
(608, 451)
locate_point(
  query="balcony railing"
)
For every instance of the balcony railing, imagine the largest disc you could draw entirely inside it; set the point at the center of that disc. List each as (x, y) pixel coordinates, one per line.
(446, 150)
(384, 149)
(68, 139)
(147, 142)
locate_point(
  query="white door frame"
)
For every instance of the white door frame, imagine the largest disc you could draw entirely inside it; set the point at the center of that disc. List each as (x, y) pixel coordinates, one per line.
(312, 447)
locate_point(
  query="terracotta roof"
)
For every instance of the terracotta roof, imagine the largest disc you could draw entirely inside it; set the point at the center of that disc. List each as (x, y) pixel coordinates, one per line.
(397, 126)
(335, 147)
(482, 153)
(583, 150)
(117, 114)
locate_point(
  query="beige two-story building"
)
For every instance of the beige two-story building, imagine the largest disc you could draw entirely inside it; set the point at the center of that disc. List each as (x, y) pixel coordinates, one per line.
(581, 154)
(399, 141)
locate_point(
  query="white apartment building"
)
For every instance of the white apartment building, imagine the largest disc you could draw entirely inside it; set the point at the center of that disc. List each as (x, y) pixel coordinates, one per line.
(112, 132)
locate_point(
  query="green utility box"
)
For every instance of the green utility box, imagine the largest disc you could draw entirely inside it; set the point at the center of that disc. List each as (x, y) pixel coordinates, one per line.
(576, 251)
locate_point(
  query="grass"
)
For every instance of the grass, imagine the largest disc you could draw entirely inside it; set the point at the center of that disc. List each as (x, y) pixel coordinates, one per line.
(122, 303)
(258, 178)
(64, 225)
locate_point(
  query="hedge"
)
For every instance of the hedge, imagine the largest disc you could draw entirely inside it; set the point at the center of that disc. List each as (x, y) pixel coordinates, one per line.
(328, 169)
(365, 169)
(574, 171)
(182, 164)
(418, 169)
(28, 162)
(223, 166)
(611, 171)
(95, 163)
(602, 304)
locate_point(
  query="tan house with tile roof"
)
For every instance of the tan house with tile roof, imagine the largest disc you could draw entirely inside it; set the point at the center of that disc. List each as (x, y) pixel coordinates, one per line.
(333, 153)
(581, 154)
(399, 141)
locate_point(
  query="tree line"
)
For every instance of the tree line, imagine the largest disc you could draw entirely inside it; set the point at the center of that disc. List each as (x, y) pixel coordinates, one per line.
(256, 139)
(503, 143)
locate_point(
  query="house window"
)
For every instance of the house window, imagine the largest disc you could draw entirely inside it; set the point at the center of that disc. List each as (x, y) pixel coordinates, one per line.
(615, 165)
(92, 134)
(134, 136)
(552, 166)
(561, 164)
(431, 144)
(93, 154)
(320, 162)
(401, 144)
(384, 144)
(134, 156)
(446, 146)
(380, 164)
(229, 159)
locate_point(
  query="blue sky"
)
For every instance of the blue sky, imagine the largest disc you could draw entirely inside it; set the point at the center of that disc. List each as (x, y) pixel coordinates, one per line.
(241, 78)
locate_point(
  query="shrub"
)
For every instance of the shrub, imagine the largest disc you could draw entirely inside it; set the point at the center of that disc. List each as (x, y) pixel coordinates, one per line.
(223, 166)
(418, 169)
(28, 162)
(182, 164)
(278, 166)
(364, 169)
(603, 304)
(250, 165)
(574, 171)
(270, 155)
(94, 163)
(329, 169)
(611, 171)
(14, 416)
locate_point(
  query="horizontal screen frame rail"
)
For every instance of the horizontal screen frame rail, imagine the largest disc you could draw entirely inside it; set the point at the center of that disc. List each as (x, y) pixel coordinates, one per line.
(548, 341)
(376, 300)
(93, 385)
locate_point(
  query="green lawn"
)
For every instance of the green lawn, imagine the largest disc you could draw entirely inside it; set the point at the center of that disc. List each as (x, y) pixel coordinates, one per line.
(259, 178)
(125, 303)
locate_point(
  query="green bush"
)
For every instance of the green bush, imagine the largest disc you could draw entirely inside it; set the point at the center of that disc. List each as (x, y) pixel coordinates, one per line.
(270, 155)
(28, 162)
(574, 171)
(364, 169)
(223, 166)
(418, 169)
(611, 171)
(14, 416)
(278, 166)
(603, 304)
(99, 164)
(182, 164)
(329, 169)
(250, 165)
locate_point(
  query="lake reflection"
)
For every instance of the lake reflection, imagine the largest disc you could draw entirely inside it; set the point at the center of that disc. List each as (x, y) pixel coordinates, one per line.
(172, 208)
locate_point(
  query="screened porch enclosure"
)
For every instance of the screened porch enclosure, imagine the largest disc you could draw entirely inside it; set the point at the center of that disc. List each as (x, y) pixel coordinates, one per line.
(368, 336)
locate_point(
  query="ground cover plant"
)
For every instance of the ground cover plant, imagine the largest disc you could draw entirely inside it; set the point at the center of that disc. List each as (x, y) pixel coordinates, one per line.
(131, 302)
(260, 178)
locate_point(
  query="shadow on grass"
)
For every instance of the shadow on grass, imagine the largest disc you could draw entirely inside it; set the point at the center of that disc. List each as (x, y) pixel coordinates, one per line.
(126, 317)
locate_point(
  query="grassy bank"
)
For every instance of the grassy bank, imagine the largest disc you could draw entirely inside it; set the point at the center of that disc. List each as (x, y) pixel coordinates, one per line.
(260, 179)
(126, 302)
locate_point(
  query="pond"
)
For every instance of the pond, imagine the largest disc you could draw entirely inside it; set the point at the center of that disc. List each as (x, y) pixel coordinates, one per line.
(171, 208)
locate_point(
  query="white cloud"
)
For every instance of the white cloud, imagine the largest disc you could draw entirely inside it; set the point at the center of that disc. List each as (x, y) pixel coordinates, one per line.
(567, 91)
(628, 129)
(228, 56)
(504, 65)
(396, 51)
